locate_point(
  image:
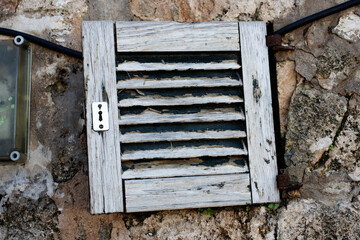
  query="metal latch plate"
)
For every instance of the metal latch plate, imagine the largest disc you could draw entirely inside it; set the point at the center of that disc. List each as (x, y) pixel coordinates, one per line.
(100, 116)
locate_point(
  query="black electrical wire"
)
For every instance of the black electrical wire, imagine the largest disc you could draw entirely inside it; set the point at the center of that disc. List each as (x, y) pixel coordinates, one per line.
(42, 42)
(317, 16)
(282, 31)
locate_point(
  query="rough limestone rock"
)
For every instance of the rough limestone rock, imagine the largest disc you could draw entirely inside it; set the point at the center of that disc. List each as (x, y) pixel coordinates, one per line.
(307, 219)
(228, 223)
(351, 85)
(203, 10)
(26, 218)
(348, 27)
(190, 224)
(286, 78)
(333, 67)
(314, 118)
(305, 64)
(346, 154)
(8, 7)
(328, 189)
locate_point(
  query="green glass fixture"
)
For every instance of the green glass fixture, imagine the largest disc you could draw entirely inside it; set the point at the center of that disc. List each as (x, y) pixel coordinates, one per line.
(15, 79)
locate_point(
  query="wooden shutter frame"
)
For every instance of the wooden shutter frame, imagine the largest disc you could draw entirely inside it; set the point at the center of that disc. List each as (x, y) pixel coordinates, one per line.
(258, 111)
(106, 190)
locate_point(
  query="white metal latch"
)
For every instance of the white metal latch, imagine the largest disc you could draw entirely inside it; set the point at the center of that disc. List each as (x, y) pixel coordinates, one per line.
(100, 116)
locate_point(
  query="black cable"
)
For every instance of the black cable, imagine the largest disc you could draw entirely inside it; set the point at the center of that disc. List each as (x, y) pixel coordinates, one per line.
(317, 16)
(42, 42)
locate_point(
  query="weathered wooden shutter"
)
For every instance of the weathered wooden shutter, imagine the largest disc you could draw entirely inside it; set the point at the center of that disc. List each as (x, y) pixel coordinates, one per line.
(190, 115)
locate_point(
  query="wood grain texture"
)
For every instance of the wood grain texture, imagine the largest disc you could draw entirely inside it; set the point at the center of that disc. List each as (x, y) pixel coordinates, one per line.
(157, 100)
(132, 66)
(149, 117)
(187, 192)
(180, 136)
(258, 111)
(100, 82)
(184, 152)
(138, 83)
(176, 37)
(182, 168)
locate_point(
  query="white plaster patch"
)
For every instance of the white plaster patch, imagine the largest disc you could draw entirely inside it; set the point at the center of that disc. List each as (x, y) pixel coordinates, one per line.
(321, 144)
(49, 69)
(38, 163)
(30, 180)
(40, 156)
(348, 27)
(33, 25)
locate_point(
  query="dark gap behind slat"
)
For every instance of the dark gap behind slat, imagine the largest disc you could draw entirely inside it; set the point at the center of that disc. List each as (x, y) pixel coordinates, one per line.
(181, 109)
(184, 127)
(178, 92)
(158, 75)
(203, 161)
(190, 57)
(236, 143)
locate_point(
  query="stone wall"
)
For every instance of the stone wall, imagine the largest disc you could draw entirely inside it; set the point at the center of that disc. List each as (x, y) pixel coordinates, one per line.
(319, 96)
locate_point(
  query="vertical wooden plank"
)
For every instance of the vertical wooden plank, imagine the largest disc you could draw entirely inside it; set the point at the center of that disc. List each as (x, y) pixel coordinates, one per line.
(103, 147)
(259, 114)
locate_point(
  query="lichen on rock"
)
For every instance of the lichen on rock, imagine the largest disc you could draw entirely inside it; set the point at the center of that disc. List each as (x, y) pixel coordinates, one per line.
(314, 118)
(346, 155)
(25, 218)
(308, 219)
(333, 66)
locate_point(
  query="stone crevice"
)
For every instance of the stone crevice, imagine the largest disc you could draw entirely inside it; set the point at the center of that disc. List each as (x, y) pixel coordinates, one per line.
(325, 157)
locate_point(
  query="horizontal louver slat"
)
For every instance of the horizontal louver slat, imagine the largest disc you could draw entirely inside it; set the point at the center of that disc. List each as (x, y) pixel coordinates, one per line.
(179, 136)
(187, 192)
(179, 168)
(180, 83)
(132, 66)
(177, 101)
(150, 117)
(185, 152)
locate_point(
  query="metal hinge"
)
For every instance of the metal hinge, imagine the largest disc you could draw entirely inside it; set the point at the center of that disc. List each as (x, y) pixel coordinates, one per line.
(275, 43)
(283, 183)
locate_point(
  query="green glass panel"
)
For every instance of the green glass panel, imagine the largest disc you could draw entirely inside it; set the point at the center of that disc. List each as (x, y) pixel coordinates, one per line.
(15, 64)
